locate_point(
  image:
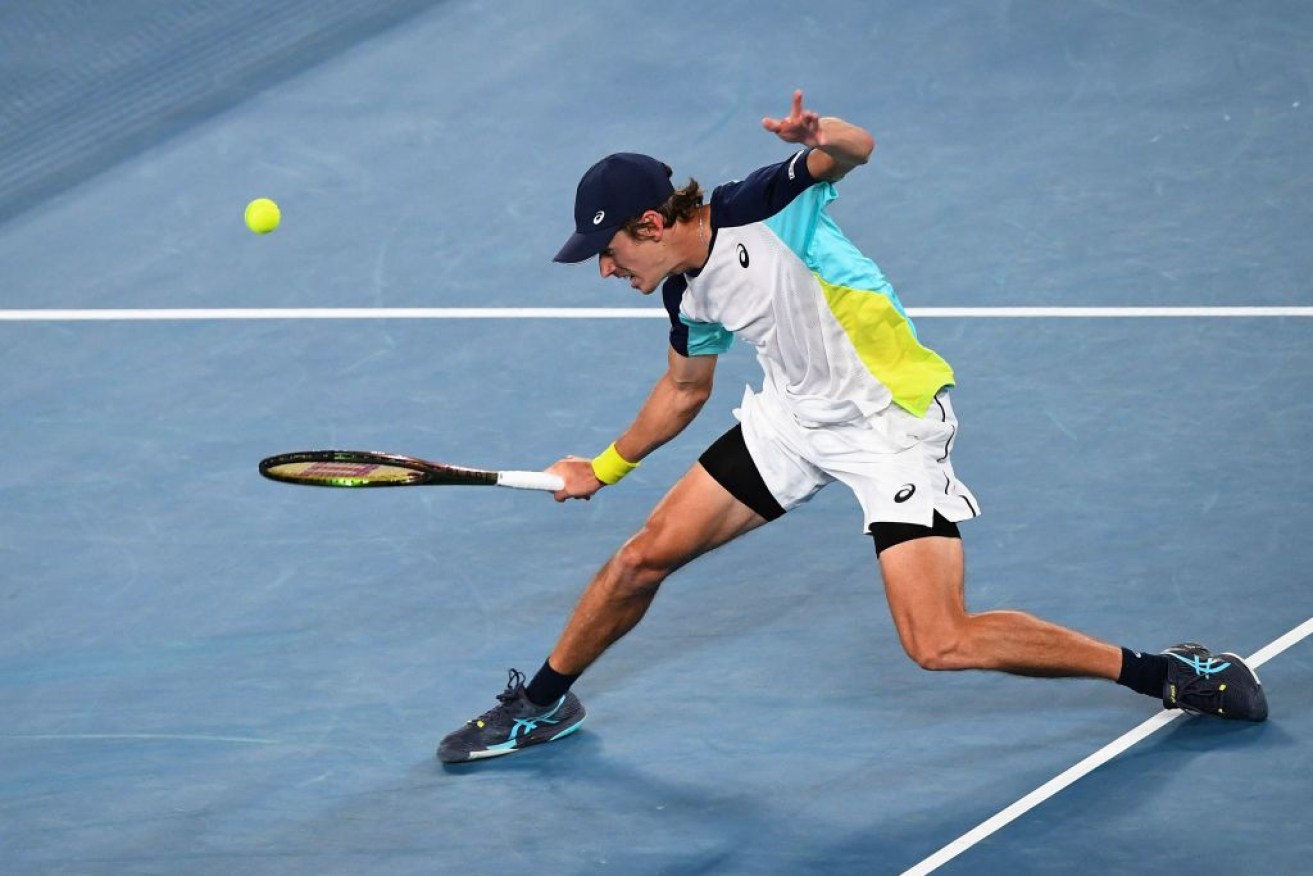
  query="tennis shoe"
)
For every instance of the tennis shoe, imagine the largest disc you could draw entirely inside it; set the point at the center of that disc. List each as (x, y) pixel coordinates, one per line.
(514, 723)
(1221, 685)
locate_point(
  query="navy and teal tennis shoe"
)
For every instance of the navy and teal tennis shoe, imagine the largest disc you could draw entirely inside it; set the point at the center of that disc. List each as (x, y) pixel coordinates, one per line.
(1204, 683)
(514, 723)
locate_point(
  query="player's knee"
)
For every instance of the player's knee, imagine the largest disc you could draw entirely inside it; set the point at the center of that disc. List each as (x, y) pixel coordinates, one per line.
(937, 652)
(638, 569)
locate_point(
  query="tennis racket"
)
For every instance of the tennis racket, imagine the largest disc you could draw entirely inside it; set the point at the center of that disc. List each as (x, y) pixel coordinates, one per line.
(363, 468)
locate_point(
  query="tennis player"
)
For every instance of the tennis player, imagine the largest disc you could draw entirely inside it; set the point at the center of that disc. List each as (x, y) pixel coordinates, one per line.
(848, 394)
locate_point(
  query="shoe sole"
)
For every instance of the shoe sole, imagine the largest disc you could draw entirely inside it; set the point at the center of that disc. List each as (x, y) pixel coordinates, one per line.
(487, 753)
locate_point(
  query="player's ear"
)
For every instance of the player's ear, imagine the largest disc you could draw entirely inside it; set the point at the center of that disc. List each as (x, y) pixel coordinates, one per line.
(652, 226)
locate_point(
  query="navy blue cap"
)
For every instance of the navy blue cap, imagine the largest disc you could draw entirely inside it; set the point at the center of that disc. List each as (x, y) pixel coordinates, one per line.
(613, 191)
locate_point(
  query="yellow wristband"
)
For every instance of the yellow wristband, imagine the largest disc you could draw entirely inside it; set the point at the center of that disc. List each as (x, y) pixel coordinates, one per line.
(610, 466)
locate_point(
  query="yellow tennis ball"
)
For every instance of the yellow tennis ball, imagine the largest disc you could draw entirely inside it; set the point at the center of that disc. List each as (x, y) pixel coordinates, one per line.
(262, 215)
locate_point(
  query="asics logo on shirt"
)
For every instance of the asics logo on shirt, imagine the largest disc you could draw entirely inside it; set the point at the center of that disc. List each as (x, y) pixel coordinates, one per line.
(794, 161)
(907, 491)
(743, 255)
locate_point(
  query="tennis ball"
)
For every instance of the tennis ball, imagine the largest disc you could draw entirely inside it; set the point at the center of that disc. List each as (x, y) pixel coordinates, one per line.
(262, 215)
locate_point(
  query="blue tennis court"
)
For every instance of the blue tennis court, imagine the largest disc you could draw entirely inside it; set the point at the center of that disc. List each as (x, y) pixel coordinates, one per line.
(205, 672)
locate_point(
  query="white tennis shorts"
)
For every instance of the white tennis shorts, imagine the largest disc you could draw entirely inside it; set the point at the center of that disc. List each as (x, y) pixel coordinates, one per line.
(896, 464)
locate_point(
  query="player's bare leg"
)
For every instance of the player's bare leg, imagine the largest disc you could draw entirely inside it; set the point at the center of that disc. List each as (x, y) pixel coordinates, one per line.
(923, 582)
(696, 516)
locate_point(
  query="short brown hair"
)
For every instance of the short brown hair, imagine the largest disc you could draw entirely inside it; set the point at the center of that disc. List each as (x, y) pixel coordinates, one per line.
(681, 206)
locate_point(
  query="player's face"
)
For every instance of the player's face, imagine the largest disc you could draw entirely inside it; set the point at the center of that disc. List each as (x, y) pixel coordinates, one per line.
(644, 264)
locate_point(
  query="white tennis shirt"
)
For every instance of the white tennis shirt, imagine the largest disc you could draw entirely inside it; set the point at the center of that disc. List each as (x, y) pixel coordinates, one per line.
(831, 336)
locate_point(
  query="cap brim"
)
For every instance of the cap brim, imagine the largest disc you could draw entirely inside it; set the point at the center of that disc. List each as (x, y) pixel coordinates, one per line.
(581, 247)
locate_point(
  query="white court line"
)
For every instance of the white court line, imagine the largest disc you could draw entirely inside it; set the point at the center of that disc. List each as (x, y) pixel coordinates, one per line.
(137, 737)
(1086, 766)
(247, 313)
(114, 315)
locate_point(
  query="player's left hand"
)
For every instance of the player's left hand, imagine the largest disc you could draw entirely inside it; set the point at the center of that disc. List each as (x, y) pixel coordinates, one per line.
(800, 126)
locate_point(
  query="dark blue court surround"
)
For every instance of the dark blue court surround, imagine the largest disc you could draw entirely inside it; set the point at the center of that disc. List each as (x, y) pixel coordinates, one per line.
(204, 672)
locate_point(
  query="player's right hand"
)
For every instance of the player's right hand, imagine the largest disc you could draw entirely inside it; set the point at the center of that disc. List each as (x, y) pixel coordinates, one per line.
(580, 481)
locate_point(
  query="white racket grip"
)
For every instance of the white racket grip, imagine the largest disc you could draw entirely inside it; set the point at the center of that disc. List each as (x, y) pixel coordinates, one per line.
(530, 480)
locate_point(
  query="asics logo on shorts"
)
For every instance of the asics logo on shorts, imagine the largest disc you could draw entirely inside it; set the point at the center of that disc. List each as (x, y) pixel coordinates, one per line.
(907, 491)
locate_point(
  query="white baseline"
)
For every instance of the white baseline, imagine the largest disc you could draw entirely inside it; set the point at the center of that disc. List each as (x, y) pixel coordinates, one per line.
(251, 313)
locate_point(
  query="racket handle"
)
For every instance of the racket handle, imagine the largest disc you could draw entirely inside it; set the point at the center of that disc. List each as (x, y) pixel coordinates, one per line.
(530, 480)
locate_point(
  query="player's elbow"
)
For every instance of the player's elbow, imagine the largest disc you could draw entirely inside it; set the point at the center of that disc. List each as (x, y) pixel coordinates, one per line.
(862, 146)
(868, 146)
(690, 403)
(698, 393)
(691, 395)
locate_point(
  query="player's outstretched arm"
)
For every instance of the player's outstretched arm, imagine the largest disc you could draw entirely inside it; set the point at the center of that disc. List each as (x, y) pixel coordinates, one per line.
(673, 403)
(838, 146)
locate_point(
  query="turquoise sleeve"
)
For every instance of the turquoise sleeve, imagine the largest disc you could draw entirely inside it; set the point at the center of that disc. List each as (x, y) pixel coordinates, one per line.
(707, 338)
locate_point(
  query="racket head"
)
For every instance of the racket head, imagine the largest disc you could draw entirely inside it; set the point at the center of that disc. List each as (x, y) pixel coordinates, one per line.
(359, 468)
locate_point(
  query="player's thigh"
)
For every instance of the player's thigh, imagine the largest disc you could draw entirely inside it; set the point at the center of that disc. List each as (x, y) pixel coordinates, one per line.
(697, 515)
(923, 582)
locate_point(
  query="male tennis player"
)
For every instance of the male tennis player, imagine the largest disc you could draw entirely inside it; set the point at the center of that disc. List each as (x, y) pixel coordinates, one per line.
(849, 394)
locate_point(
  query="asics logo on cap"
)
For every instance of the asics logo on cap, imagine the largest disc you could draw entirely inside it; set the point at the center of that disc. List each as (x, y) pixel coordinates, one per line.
(601, 214)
